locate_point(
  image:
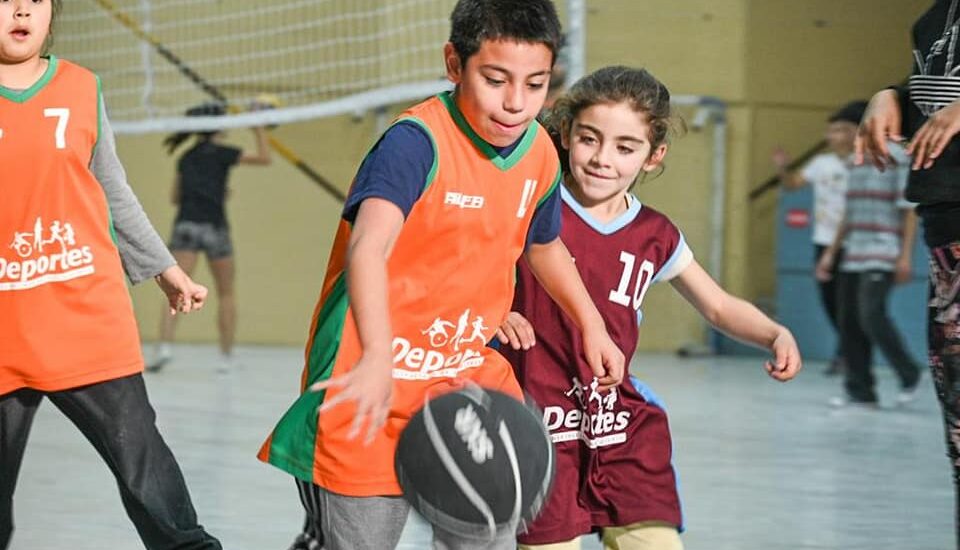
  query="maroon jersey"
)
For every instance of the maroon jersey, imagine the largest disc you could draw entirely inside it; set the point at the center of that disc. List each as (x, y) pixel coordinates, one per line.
(613, 448)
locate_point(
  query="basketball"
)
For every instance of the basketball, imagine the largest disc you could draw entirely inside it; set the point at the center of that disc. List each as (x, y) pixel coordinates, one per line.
(474, 461)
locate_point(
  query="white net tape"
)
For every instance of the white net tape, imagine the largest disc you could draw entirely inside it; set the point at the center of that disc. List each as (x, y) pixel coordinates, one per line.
(313, 58)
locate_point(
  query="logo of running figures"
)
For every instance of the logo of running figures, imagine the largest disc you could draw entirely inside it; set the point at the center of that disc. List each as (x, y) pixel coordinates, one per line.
(610, 401)
(439, 335)
(412, 362)
(578, 390)
(26, 243)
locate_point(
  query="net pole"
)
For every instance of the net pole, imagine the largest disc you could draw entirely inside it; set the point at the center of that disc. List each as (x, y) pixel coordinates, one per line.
(133, 26)
(576, 39)
(147, 60)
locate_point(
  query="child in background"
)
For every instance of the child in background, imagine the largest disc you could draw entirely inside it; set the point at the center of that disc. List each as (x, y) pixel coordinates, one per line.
(200, 192)
(827, 173)
(614, 471)
(876, 236)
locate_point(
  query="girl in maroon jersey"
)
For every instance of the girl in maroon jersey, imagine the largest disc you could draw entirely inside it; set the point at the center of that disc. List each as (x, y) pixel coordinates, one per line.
(614, 471)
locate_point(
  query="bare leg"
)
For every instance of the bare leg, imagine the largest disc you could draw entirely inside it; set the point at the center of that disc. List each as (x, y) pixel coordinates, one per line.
(223, 276)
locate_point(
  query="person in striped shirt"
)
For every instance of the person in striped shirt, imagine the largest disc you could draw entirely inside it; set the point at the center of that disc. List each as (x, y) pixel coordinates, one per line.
(877, 234)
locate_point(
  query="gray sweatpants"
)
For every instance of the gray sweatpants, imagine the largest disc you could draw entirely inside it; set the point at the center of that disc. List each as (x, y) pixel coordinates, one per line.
(376, 523)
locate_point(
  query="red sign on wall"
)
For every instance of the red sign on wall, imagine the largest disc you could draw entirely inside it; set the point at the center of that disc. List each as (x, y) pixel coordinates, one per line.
(798, 218)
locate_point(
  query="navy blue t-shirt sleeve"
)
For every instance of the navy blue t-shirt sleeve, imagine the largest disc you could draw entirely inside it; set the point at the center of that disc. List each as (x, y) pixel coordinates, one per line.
(545, 226)
(396, 170)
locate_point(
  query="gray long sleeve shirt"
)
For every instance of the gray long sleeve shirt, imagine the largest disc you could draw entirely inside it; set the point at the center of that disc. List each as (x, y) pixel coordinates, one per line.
(142, 251)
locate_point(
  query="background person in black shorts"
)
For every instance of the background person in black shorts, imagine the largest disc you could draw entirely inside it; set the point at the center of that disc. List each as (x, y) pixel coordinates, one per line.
(200, 191)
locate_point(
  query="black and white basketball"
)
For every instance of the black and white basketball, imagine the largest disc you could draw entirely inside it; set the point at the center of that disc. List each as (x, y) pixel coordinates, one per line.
(475, 461)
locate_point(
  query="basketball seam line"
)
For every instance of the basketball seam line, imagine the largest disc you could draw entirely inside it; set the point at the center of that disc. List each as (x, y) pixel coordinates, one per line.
(454, 470)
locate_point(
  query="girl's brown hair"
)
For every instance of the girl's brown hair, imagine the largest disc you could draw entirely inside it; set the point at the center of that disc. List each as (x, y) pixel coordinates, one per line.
(617, 84)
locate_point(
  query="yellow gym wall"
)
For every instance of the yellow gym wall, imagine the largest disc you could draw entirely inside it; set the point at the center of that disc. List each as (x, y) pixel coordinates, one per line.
(283, 226)
(805, 61)
(696, 47)
(781, 66)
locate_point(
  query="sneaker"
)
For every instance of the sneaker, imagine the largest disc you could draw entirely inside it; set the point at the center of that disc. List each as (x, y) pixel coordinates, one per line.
(909, 394)
(305, 542)
(844, 401)
(158, 363)
(836, 367)
(226, 364)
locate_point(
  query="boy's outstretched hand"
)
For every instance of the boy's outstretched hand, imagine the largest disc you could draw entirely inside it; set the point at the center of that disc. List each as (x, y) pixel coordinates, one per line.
(183, 294)
(604, 357)
(370, 384)
(786, 361)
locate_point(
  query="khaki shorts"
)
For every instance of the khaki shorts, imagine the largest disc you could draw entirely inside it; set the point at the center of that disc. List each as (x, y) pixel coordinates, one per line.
(648, 535)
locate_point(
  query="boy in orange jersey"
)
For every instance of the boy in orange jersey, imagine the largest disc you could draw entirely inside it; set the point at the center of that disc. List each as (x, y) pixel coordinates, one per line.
(67, 329)
(422, 274)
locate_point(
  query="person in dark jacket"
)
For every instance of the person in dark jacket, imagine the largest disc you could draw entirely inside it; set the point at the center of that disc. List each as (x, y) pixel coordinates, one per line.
(928, 109)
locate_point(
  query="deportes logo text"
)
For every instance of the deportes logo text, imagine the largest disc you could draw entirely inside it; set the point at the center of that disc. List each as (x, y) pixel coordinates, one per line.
(47, 253)
(448, 353)
(594, 419)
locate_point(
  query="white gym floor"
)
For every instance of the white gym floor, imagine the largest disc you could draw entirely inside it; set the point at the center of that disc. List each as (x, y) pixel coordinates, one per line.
(763, 465)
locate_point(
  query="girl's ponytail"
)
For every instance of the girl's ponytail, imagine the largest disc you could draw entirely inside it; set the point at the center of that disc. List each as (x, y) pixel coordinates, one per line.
(174, 141)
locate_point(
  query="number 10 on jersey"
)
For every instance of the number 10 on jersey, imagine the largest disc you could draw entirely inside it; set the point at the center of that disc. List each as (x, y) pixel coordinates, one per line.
(640, 286)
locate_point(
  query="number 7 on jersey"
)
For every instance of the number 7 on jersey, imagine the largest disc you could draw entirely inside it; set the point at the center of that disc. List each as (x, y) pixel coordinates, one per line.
(63, 117)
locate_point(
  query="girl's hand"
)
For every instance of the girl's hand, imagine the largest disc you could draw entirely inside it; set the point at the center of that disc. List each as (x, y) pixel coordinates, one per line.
(604, 357)
(516, 332)
(786, 357)
(881, 122)
(183, 294)
(370, 384)
(932, 138)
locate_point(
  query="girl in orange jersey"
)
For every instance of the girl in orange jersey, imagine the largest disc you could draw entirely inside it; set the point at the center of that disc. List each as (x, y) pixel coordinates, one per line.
(67, 332)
